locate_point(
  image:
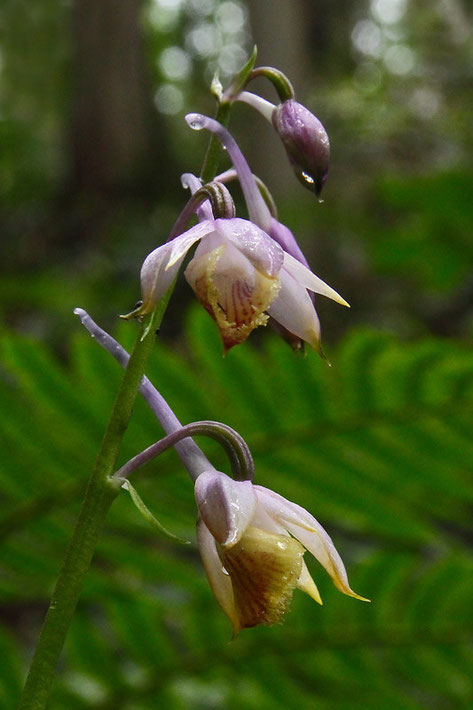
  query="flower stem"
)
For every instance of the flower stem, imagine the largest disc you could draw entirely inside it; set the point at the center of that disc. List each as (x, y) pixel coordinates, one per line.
(234, 445)
(214, 150)
(100, 494)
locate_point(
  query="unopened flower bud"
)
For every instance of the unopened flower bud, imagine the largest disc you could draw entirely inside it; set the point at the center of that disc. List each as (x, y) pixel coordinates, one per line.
(306, 142)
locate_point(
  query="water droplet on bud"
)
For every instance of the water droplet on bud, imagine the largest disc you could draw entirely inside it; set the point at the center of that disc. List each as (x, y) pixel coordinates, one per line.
(308, 178)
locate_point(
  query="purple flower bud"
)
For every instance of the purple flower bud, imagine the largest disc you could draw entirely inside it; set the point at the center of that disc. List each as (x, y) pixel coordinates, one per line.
(306, 143)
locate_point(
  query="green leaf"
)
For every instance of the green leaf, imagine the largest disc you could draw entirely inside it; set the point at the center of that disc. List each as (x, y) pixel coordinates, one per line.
(148, 515)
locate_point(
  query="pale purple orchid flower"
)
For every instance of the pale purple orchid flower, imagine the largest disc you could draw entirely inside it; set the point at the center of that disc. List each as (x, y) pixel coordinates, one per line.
(252, 542)
(234, 273)
(240, 275)
(294, 310)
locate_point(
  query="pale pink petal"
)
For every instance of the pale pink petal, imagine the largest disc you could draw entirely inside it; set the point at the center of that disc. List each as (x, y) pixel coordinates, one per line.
(294, 310)
(230, 288)
(156, 276)
(180, 245)
(305, 528)
(219, 581)
(309, 280)
(161, 265)
(262, 520)
(262, 251)
(226, 506)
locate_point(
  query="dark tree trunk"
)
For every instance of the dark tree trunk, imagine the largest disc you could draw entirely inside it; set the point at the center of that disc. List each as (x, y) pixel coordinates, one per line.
(112, 122)
(280, 31)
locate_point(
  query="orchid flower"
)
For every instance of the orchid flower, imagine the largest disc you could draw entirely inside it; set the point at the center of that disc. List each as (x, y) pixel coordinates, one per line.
(240, 275)
(252, 542)
(234, 273)
(293, 310)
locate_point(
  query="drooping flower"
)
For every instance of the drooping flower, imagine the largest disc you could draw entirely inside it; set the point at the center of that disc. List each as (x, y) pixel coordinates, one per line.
(306, 142)
(252, 542)
(240, 275)
(293, 312)
(234, 274)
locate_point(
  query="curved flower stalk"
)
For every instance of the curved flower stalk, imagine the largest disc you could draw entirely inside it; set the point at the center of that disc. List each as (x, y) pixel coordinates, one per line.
(252, 543)
(258, 210)
(190, 454)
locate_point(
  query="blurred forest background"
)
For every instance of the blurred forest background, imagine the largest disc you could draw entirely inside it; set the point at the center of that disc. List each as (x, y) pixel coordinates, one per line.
(378, 448)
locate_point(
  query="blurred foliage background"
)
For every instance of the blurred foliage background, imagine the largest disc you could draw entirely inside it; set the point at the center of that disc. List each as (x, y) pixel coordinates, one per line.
(93, 142)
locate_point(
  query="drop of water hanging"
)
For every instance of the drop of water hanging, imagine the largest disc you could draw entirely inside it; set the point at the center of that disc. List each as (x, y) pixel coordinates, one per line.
(308, 178)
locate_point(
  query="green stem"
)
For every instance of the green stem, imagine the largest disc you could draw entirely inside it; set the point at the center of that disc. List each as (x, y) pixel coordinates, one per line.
(100, 494)
(215, 150)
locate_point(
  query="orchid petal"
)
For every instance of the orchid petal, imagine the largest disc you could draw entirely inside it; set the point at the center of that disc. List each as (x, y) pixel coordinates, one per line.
(306, 584)
(309, 280)
(219, 581)
(226, 506)
(262, 520)
(319, 543)
(180, 245)
(294, 310)
(262, 251)
(230, 288)
(161, 265)
(156, 276)
(264, 569)
(305, 528)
